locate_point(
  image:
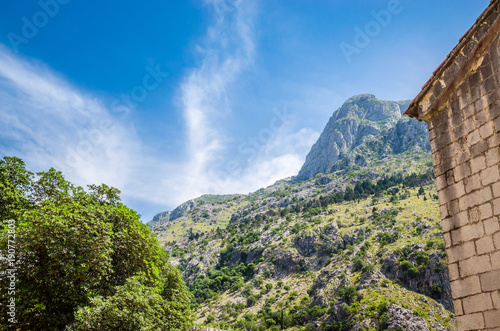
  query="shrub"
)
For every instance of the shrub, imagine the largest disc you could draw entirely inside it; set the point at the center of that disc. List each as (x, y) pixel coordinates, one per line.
(382, 307)
(251, 300)
(422, 258)
(368, 268)
(405, 265)
(239, 306)
(269, 287)
(436, 291)
(357, 264)
(210, 318)
(348, 293)
(413, 272)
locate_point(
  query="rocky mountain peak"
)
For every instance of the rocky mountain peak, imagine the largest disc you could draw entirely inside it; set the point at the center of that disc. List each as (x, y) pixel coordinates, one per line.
(367, 106)
(363, 128)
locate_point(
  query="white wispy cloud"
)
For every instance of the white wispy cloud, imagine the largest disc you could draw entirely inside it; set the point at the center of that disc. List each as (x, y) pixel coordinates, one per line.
(226, 50)
(52, 124)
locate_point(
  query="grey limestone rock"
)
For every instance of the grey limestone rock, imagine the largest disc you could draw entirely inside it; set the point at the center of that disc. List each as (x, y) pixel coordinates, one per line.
(362, 129)
(401, 317)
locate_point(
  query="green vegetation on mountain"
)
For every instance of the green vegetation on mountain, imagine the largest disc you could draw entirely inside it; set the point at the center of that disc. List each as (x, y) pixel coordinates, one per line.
(353, 242)
(81, 259)
(332, 253)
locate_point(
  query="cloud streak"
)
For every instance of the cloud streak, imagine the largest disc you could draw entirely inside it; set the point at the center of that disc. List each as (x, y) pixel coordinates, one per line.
(54, 125)
(227, 50)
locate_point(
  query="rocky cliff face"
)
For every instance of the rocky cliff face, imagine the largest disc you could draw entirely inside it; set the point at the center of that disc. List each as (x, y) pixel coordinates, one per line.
(159, 219)
(362, 130)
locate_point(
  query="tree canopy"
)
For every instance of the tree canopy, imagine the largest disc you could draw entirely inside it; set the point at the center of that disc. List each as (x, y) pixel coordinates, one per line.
(83, 254)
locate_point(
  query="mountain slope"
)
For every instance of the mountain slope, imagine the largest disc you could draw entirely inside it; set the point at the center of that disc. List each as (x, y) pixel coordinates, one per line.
(357, 245)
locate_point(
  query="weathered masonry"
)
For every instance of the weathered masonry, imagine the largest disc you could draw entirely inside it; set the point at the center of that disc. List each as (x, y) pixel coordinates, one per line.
(461, 104)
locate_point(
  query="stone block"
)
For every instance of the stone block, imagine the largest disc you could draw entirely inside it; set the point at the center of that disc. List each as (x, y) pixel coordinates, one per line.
(455, 222)
(475, 265)
(491, 226)
(444, 166)
(441, 182)
(473, 138)
(496, 189)
(486, 71)
(472, 183)
(495, 296)
(467, 233)
(490, 281)
(462, 171)
(496, 123)
(481, 118)
(483, 195)
(496, 206)
(490, 175)
(495, 260)
(494, 110)
(478, 163)
(475, 91)
(489, 84)
(486, 130)
(470, 322)
(492, 318)
(461, 252)
(436, 157)
(485, 245)
(456, 118)
(454, 207)
(432, 134)
(457, 305)
(443, 210)
(453, 271)
(494, 141)
(466, 201)
(492, 157)
(475, 79)
(450, 179)
(485, 211)
(455, 191)
(492, 97)
(474, 215)
(447, 240)
(477, 303)
(469, 110)
(465, 287)
(480, 104)
(479, 148)
(496, 239)
(463, 158)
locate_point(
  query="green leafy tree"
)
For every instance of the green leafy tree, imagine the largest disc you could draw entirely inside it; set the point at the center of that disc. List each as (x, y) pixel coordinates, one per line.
(136, 306)
(72, 245)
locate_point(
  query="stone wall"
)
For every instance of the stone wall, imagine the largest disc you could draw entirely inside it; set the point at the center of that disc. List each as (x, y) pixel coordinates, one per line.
(462, 110)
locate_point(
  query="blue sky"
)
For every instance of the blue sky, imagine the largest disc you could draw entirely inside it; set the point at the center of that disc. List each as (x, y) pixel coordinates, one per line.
(168, 100)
